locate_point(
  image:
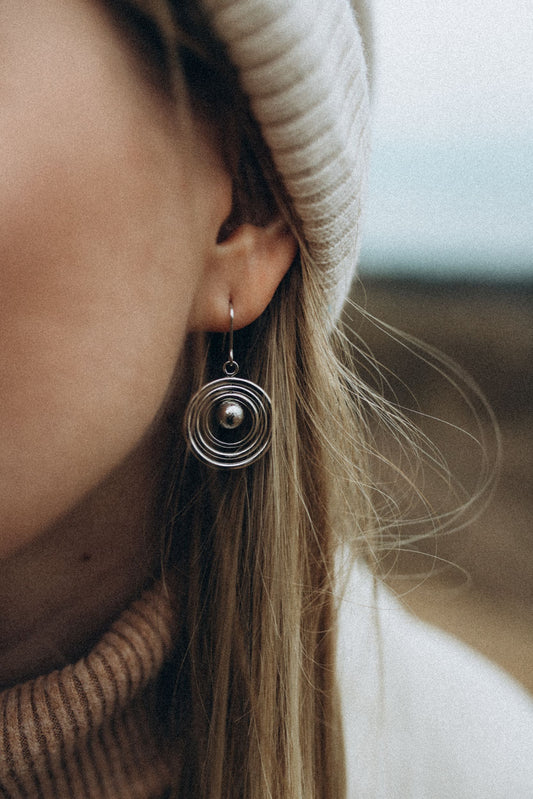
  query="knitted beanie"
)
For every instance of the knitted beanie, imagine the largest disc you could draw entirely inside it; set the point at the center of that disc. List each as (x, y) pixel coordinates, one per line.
(302, 65)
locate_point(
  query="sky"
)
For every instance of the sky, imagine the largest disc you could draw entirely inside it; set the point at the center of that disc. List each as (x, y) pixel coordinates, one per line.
(452, 173)
(458, 66)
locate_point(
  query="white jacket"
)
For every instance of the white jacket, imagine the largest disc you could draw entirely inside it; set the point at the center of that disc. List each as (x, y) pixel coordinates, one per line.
(425, 716)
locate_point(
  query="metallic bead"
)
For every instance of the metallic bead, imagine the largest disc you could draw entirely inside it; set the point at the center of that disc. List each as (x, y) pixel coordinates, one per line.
(230, 415)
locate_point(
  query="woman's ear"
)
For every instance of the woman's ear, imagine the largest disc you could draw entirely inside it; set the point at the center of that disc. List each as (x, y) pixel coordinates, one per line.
(245, 268)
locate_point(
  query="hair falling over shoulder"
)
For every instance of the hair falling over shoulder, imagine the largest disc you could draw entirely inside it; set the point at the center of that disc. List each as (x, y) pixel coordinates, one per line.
(252, 687)
(253, 693)
(255, 684)
(254, 699)
(255, 688)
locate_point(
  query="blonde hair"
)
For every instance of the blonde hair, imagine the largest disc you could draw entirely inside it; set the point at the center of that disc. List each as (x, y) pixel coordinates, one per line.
(256, 688)
(253, 700)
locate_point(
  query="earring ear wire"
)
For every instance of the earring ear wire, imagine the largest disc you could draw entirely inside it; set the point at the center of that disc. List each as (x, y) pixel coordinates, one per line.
(231, 367)
(228, 421)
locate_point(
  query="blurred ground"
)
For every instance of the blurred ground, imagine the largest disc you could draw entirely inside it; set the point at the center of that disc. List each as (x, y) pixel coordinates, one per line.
(476, 582)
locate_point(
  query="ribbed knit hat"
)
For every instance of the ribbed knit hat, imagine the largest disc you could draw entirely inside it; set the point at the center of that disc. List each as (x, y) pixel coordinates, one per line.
(302, 65)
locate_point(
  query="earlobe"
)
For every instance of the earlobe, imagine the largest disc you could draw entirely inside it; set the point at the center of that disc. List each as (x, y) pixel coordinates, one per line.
(245, 268)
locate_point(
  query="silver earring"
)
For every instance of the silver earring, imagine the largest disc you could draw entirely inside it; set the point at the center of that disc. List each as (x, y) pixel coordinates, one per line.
(228, 421)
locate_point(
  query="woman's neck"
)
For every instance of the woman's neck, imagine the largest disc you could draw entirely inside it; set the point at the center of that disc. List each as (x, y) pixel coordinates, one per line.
(59, 593)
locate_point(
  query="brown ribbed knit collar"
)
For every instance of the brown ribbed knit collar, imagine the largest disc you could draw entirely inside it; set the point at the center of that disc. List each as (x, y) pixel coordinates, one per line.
(91, 730)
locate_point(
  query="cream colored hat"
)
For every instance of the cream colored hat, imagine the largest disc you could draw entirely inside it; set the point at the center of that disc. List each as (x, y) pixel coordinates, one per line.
(302, 64)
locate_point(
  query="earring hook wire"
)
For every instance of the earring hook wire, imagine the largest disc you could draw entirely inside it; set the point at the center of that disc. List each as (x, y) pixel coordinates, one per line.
(231, 367)
(231, 316)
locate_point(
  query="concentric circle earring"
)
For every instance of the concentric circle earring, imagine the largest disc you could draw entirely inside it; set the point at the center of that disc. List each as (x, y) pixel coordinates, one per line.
(228, 421)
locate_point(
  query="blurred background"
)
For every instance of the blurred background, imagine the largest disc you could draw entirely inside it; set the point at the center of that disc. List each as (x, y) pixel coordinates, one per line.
(448, 257)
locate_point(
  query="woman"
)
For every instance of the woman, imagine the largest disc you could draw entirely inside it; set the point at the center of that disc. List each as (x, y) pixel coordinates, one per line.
(174, 171)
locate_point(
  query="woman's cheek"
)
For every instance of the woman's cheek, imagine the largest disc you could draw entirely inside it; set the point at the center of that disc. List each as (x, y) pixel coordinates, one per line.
(84, 368)
(91, 321)
(105, 205)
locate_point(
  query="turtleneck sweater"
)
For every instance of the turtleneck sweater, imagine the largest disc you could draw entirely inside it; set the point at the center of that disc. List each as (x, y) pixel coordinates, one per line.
(452, 725)
(90, 729)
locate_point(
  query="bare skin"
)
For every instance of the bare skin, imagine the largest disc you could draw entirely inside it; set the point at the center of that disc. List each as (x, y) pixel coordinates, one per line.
(64, 587)
(96, 172)
(111, 201)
